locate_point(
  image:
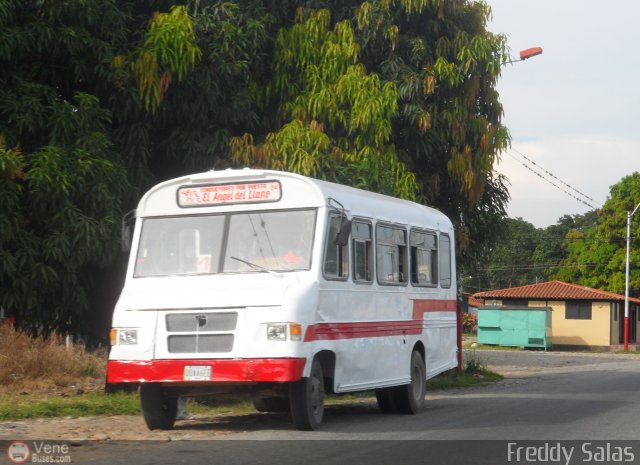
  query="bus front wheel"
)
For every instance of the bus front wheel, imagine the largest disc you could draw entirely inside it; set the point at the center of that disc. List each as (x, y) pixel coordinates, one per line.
(307, 399)
(159, 411)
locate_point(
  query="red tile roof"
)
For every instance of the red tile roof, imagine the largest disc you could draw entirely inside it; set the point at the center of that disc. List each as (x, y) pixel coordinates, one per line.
(473, 302)
(553, 290)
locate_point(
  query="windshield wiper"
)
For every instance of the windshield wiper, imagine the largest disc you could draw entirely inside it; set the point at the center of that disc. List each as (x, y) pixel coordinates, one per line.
(258, 267)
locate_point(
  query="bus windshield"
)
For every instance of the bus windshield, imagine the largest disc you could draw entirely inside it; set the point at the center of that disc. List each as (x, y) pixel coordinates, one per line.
(251, 242)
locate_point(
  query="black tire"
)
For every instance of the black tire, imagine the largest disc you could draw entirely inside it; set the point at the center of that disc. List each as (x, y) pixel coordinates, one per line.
(159, 411)
(409, 398)
(386, 400)
(306, 398)
(271, 404)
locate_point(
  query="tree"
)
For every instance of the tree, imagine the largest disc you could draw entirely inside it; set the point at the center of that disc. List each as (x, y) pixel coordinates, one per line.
(61, 68)
(448, 127)
(597, 254)
(333, 119)
(510, 260)
(99, 100)
(397, 97)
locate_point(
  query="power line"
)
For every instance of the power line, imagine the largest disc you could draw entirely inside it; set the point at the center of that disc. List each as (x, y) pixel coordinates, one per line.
(532, 266)
(541, 265)
(541, 176)
(552, 175)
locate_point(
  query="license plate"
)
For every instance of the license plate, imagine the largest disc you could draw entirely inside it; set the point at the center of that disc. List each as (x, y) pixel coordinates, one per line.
(197, 373)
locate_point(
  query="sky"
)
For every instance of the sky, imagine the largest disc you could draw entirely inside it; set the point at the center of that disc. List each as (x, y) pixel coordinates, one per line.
(575, 109)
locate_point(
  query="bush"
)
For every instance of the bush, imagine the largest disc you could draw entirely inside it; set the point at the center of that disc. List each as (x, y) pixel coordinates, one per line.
(469, 323)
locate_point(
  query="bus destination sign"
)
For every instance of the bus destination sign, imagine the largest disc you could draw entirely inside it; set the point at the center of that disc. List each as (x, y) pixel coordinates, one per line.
(222, 194)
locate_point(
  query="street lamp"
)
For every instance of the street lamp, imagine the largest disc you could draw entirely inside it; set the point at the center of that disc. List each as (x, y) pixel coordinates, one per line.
(526, 54)
(626, 281)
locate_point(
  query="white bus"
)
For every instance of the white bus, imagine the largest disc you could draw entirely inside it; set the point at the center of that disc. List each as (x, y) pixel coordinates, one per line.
(283, 288)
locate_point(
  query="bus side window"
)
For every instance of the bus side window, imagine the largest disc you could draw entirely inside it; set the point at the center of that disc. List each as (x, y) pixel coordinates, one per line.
(424, 258)
(445, 261)
(336, 258)
(391, 254)
(362, 252)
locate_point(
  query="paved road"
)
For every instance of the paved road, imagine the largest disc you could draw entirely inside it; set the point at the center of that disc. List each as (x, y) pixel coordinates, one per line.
(545, 396)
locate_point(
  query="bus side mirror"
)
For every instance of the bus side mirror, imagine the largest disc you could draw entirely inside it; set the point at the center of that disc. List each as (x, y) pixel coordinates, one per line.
(126, 231)
(342, 238)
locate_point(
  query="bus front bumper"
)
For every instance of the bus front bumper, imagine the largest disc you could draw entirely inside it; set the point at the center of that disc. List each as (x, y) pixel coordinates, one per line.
(276, 370)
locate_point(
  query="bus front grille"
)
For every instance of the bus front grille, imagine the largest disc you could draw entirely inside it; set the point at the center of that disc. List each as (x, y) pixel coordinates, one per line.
(200, 332)
(201, 322)
(200, 343)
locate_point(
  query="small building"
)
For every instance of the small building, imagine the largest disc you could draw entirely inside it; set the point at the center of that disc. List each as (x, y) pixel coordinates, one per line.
(581, 317)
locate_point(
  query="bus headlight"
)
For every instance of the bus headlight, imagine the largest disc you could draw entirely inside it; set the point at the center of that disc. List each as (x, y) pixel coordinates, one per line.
(123, 337)
(279, 331)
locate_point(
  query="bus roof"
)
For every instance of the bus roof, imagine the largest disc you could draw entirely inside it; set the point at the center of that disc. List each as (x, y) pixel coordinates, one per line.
(184, 195)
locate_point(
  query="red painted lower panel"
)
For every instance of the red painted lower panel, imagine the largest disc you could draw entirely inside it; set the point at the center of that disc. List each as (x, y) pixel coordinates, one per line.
(278, 370)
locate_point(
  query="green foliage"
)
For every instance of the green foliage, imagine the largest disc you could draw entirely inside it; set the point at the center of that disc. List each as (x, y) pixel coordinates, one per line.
(596, 253)
(523, 254)
(445, 65)
(62, 176)
(59, 215)
(337, 117)
(99, 100)
(169, 48)
(588, 250)
(193, 126)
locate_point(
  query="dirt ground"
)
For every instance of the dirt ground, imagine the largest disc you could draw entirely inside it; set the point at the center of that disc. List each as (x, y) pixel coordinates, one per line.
(104, 428)
(121, 427)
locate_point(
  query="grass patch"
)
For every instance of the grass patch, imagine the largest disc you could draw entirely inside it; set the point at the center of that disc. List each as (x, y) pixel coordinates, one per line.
(455, 379)
(474, 372)
(22, 407)
(220, 408)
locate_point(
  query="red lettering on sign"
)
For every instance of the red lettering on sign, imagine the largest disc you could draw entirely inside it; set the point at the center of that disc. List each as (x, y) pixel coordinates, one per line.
(196, 196)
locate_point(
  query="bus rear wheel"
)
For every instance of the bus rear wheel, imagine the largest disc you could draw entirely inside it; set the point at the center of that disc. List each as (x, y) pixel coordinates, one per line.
(158, 410)
(306, 398)
(409, 398)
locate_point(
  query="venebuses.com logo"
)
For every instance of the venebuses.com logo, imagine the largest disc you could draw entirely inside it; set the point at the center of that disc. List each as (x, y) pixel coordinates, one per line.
(38, 452)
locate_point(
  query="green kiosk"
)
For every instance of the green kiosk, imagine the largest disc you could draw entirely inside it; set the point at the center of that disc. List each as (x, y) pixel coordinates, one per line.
(515, 326)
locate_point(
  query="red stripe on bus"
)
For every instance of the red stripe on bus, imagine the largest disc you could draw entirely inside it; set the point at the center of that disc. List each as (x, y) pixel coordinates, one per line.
(238, 370)
(354, 330)
(422, 306)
